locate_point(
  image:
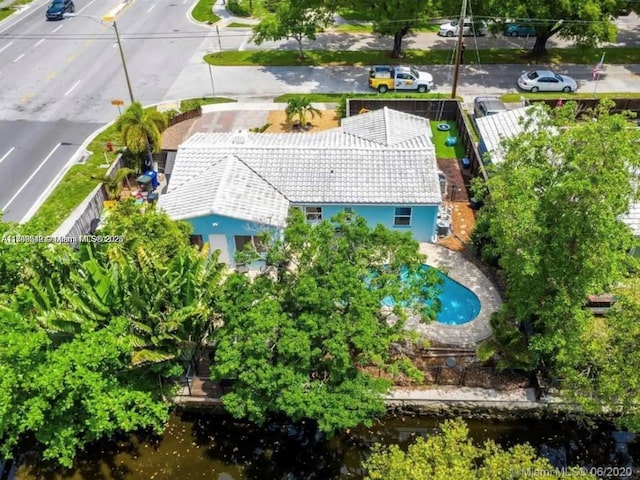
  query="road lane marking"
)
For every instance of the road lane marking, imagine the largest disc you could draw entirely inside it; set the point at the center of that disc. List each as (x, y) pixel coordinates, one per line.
(114, 45)
(72, 57)
(6, 46)
(18, 59)
(85, 7)
(7, 154)
(185, 1)
(4, 209)
(39, 42)
(50, 76)
(71, 89)
(57, 28)
(27, 97)
(152, 7)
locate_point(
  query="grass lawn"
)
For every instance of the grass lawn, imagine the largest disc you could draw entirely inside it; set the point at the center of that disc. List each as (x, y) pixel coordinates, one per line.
(368, 28)
(516, 97)
(203, 12)
(193, 103)
(239, 25)
(77, 183)
(337, 97)
(442, 150)
(615, 55)
(6, 12)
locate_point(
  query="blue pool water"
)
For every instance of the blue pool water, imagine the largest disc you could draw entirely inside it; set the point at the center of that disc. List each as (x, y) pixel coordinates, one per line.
(458, 304)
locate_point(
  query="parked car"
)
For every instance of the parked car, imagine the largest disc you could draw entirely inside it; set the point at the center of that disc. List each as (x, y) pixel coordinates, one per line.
(58, 8)
(519, 30)
(546, 81)
(399, 78)
(489, 105)
(469, 28)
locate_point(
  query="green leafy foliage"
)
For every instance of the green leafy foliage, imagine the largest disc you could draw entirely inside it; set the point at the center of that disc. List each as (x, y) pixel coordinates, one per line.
(298, 108)
(553, 221)
(141, 129)
(588, 22)
(154, 230)
(393, 18)
(297, 19)
(69, 394)
(298, 338)
(451, 454)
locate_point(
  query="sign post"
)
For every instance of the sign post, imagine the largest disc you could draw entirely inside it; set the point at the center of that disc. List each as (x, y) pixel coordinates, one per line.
(117, 103)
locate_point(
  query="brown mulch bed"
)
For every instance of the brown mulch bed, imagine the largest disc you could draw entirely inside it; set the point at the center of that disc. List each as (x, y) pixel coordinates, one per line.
(279, 123)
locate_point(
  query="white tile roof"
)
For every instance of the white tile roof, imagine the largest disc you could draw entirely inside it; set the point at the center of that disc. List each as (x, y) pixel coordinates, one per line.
(386, 126)
(228, 188)
(493, 129)
(394, 163)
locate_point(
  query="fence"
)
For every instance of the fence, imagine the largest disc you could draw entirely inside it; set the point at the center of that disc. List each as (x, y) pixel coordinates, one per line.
(435, 110)
(472, 376)
(188, 115)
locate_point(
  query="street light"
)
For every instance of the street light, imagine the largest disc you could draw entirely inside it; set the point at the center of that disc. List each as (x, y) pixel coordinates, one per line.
(105, 21)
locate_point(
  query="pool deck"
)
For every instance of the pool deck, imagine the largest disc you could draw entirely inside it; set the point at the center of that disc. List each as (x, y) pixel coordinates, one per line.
(466, 273)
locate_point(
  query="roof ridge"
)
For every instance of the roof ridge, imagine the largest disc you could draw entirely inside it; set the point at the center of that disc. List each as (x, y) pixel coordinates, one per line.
(387, 132)
(260, 176)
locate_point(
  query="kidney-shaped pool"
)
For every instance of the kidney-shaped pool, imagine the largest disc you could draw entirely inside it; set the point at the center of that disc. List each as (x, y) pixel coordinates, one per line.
(458, 304)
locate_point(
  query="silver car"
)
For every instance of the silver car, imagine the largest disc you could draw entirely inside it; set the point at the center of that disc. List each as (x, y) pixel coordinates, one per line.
(546, 81)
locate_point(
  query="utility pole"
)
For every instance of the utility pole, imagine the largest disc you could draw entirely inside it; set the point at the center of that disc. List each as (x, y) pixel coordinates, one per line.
(456, 72)
(124, 63)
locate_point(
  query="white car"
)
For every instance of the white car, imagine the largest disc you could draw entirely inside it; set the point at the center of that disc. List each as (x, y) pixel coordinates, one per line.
(546, 81)
(469, 28)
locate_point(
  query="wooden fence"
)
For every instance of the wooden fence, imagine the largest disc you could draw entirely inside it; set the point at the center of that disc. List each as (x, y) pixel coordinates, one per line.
(188, 115)
(432, 109)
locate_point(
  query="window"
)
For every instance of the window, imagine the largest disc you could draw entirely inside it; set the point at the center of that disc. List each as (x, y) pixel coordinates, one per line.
(313, 214)
(242, 240)
(196, 240)
(402, 217)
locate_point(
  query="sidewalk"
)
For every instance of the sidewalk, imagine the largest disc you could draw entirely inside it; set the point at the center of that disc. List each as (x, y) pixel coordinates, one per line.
(226, 17)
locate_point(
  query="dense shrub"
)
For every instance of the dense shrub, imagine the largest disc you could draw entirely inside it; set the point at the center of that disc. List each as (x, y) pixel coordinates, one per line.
(238, 9)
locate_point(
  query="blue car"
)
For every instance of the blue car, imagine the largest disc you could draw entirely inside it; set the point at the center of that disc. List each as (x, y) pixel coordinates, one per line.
(58, 8)
(519, 30)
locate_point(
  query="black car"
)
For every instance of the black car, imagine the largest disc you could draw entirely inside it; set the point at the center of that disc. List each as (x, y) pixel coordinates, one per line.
(58, 8)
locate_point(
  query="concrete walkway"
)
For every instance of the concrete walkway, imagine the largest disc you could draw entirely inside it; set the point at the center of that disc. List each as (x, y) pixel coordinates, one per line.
(466, 273)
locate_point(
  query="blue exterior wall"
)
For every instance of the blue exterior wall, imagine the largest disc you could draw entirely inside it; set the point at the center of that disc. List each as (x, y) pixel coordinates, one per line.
(224, 226)
(423, 222)
(423, 218)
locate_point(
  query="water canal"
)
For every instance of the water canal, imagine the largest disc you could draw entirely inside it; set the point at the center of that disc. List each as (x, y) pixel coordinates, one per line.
(215, 447)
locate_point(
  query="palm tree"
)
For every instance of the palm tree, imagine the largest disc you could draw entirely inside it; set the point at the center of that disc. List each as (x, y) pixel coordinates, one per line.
(170, 308)
(113, 185)
(142, 129)
(299, 107)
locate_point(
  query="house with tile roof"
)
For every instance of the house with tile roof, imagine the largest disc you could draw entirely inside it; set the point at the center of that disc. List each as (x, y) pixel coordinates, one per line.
(380, 165)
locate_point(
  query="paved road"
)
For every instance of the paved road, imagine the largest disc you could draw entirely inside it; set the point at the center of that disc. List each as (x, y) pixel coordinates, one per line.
(57, 80)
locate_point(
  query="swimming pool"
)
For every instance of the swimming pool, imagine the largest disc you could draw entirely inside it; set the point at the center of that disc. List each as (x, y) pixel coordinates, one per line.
(458, 304)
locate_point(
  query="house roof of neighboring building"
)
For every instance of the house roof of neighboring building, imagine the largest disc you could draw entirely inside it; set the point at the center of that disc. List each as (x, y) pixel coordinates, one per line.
(229, 188)
(632, 218)
(493, 129)
(392, 161)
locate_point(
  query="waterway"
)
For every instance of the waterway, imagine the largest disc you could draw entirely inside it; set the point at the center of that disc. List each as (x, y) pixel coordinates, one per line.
(216, 447)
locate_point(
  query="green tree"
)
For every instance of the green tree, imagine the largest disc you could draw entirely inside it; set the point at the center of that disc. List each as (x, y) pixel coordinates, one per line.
(298, 108)
(587, 22)
(451, 454)
(606, 372)
(393, 18)
(299, 338)
(554, 223)
(152, 230)
(141, 130)
(113, 184)
(297, 19)
(66, 395)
